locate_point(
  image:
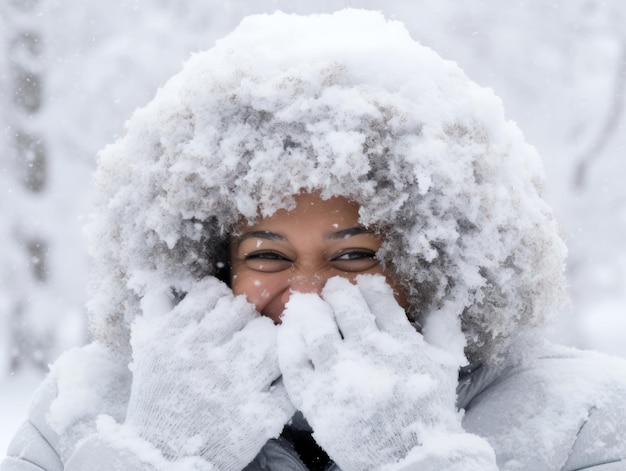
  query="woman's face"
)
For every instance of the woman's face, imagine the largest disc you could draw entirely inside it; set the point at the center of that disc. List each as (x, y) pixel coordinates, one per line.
(299, 250)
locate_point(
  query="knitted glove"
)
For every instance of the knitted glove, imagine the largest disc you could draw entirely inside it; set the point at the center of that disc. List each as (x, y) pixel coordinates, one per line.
(375, 393)
(206, 383)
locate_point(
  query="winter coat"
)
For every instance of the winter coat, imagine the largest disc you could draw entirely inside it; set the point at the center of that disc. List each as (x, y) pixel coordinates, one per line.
(562, 411)
(370, 115)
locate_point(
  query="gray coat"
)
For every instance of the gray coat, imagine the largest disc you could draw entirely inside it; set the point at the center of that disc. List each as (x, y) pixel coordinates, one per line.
(563, 410)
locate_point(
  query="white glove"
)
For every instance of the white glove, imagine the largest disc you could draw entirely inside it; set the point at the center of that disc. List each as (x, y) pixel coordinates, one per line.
(375, 393)
(83, 383)
(206, 380)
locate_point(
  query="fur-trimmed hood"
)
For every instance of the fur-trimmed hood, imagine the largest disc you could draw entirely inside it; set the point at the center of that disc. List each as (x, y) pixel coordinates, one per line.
(345, 104)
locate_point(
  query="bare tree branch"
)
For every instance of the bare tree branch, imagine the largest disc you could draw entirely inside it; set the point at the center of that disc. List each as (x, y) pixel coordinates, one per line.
(612, 120)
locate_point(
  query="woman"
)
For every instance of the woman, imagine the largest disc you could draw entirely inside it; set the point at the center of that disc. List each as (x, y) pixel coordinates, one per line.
(322, 247)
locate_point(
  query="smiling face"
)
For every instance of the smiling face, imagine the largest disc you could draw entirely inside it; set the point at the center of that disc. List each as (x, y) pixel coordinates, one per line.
(299, 250)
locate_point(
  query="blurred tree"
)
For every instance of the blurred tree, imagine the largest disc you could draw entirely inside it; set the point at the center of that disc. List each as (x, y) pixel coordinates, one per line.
(610, 123)
(25, 162)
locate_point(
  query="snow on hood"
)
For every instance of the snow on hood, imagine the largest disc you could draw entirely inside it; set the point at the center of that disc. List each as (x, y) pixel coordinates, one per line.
(345, 104)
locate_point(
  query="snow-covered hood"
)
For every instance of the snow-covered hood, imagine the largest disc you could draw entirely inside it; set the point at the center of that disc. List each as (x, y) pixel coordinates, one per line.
(345, 104)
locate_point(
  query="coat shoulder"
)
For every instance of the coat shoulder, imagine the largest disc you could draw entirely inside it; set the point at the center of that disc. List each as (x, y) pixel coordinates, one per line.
(35, 445)
(562, 409)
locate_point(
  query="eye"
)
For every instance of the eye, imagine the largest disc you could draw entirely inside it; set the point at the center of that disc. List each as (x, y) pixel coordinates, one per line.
(355, 260)
(267, 261)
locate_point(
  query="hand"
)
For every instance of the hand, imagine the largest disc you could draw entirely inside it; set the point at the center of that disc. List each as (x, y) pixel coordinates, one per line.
(206, 379)
(83, 383)
(371, 388)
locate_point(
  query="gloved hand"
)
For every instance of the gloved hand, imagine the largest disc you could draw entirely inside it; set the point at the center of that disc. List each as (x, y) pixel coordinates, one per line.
(83, 383)
(375, 393)
(206, 380)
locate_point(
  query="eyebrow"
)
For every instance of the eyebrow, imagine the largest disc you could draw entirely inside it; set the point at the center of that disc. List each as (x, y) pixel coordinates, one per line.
(268, 235)
(345, 233)
(341, 234)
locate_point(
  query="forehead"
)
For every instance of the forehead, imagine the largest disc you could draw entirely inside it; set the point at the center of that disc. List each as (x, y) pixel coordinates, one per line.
(310, 209)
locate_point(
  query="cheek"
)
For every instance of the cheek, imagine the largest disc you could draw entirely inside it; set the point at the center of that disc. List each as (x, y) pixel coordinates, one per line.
(259, 290)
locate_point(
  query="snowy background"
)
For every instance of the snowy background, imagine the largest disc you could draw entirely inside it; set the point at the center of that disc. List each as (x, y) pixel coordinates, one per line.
(72, 71)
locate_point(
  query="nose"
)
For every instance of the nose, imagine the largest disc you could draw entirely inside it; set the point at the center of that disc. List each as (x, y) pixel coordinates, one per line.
(308, 283)
(304, 283)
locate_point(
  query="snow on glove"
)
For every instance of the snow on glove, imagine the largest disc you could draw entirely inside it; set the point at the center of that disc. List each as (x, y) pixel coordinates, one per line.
(83, 383)
(206, 380)
(375, 393)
